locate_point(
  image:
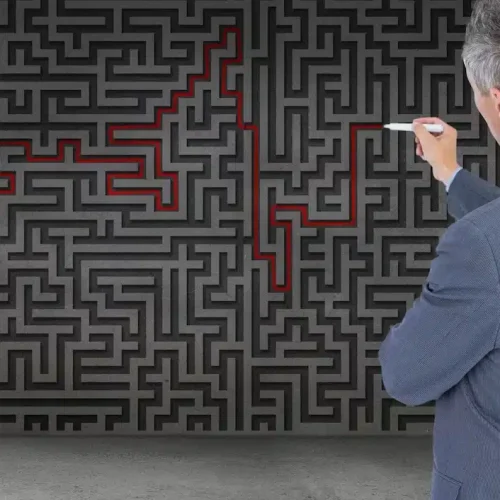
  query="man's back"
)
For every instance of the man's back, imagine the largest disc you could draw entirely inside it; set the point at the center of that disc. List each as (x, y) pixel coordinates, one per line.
(467, 425)
(483, 380)
(447, 348)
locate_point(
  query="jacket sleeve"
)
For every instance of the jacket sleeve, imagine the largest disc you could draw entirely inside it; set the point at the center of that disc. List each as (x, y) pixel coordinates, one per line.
(468, 192)
(451, 326)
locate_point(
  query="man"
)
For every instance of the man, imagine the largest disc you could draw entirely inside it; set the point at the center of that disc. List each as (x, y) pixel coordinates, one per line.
(447, 348)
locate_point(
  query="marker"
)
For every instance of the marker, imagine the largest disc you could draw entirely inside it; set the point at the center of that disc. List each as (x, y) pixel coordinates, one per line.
(433, 128)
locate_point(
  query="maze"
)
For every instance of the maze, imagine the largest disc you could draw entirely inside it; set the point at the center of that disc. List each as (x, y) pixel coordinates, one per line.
(158, 162)
(205, 229)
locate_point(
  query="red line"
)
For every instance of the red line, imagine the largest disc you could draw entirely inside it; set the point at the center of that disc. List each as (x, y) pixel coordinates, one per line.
(173, 176)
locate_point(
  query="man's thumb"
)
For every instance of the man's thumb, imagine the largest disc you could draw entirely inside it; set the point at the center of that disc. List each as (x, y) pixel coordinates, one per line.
(422, 134)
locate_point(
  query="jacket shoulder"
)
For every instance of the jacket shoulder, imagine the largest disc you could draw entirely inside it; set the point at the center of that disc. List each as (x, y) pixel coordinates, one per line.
(487, 216)
(483, 225)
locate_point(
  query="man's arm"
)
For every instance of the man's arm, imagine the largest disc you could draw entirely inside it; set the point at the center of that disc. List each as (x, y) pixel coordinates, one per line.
(466, 192)
(451, 326)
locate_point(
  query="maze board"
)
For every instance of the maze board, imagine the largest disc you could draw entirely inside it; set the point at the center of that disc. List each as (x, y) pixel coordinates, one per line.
(204, 228)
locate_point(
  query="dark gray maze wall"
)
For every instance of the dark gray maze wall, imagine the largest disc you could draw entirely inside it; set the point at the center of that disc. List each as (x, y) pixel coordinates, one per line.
(203, 227)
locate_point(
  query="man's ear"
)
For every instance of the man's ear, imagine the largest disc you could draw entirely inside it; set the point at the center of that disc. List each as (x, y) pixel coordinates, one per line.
(495, 95)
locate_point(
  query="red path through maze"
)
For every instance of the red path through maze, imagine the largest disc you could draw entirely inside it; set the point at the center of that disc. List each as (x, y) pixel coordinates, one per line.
(173, 176)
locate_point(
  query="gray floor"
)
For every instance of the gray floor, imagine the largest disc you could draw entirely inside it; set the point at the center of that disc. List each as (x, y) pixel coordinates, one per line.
(58, 468)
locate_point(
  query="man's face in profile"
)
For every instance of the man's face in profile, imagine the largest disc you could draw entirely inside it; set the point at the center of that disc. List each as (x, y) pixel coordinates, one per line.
(489, 106)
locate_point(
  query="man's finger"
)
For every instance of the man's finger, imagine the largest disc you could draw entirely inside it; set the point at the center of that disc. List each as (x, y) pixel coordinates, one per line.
(430, 119)
(435, 121)
(423, 136)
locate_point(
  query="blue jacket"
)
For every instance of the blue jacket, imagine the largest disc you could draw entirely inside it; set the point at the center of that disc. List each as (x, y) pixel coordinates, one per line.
(447, 347)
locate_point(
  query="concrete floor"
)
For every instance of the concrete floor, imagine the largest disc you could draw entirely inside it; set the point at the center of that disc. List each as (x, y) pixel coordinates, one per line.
(57, 468)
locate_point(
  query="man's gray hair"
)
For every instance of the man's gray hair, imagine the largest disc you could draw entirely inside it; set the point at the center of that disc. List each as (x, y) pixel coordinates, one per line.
(481, 50)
